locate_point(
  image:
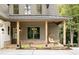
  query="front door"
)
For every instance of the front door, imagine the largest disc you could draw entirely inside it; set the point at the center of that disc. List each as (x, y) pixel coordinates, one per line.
(13, 33)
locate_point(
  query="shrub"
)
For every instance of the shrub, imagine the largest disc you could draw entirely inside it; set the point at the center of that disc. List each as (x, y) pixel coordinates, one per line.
(25, 46)
(68, 46)
(39, 46)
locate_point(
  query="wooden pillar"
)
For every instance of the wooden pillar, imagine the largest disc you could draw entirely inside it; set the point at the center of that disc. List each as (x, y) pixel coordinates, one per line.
(64, 32)
(71, 38)
(18, 34)
(46, 32)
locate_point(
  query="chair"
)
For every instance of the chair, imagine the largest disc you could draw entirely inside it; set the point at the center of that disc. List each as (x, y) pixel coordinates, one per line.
(51, 40)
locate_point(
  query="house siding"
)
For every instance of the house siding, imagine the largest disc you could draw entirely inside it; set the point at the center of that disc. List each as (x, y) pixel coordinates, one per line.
(24, 25)
(4, 34)
(52, 28)
(52, 10)
(53, 31)
(7, 37)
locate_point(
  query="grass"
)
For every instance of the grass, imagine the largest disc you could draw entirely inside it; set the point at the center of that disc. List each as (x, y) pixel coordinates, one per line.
(39, 46)
(25, 46)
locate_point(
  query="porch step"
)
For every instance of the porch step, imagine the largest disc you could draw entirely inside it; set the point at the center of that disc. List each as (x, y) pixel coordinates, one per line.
(7, 42)
(8, 45)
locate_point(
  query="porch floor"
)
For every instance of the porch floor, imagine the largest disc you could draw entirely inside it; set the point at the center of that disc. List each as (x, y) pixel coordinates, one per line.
(31, 44)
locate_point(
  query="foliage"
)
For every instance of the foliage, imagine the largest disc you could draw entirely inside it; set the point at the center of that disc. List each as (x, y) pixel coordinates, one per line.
(25, 46)
(68, 46)
(73, 11)
(39, 46)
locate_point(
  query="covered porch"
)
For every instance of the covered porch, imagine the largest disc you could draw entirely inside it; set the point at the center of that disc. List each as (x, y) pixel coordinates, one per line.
(46, 27)
(46, 30)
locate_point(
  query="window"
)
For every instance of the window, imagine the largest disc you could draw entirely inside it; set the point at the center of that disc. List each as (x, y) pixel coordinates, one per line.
(16, 9)
(47, 6)
(27, 9)
(8, 4)
(8, 30)
(33, 32)
(39, 8)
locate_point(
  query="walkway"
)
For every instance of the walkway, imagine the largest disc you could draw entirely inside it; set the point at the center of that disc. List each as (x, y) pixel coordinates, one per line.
(75, 51)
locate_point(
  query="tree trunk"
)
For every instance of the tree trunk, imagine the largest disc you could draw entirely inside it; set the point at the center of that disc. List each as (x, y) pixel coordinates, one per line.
(78, 39)
(71, 37)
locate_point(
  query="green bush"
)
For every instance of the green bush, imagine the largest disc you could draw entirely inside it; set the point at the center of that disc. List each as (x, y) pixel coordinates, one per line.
(68, 46)
(75, 44)
(25, 46)
(39, 46)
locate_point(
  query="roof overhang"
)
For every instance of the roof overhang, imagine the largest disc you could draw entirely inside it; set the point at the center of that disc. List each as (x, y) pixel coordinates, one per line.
(4, 18)
(37, 18)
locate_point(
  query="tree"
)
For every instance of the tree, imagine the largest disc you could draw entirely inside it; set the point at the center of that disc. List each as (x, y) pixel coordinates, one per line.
(72, 24)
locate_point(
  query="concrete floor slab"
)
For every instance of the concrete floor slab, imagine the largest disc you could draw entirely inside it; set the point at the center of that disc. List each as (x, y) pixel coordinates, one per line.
(51, 52)
(74, 51)
(16, 52)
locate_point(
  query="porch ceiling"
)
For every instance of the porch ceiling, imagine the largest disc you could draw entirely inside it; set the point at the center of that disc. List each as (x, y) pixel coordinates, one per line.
(36, 18)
